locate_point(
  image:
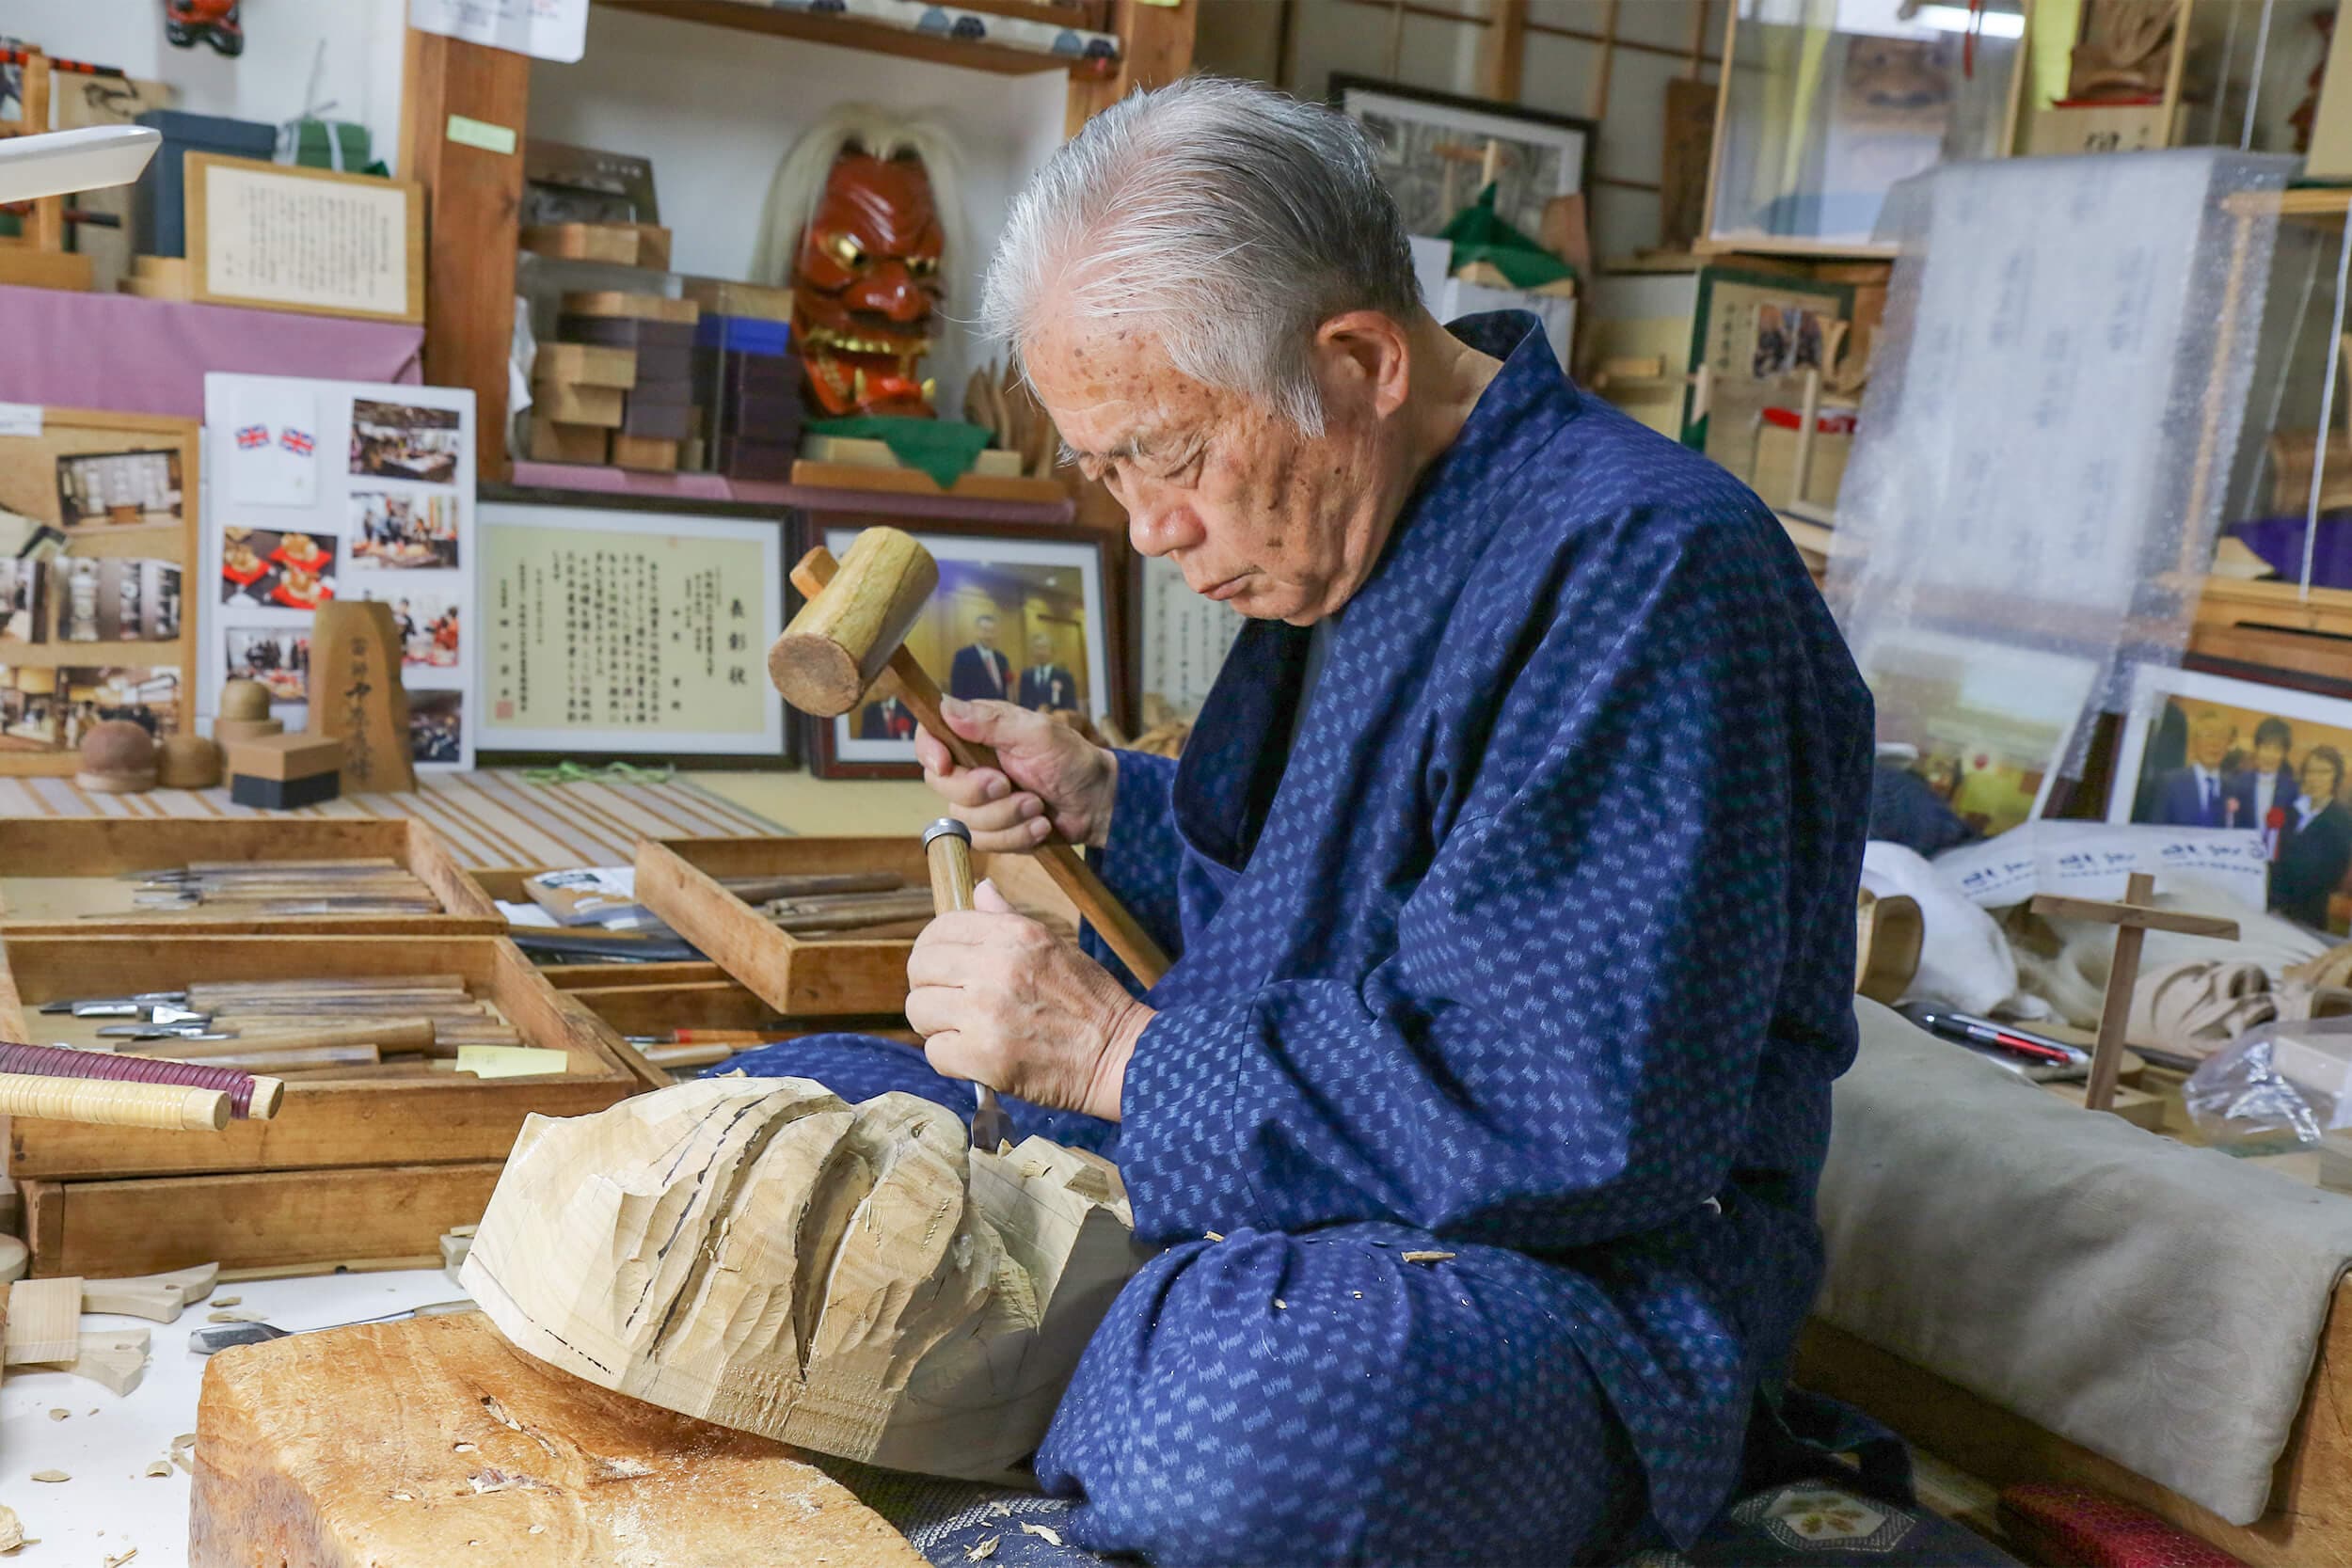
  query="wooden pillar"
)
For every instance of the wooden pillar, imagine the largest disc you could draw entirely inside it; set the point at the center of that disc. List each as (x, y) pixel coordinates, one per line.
(1155, 48)
(1502, 51)
(474, 204)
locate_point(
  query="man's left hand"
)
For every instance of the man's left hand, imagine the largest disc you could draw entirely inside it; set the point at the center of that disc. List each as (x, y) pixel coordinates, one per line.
(1000, 1000)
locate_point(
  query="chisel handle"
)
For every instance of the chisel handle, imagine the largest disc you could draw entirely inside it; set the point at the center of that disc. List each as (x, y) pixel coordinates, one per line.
(104, 1102)
(947, 846)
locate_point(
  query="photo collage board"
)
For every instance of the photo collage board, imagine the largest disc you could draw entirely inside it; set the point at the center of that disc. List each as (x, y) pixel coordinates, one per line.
(325, 489)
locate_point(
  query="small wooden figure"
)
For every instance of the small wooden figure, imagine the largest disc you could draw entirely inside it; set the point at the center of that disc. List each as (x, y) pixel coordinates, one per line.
(188, 762)
(355, 694)
(244, 700)
(2135, 918)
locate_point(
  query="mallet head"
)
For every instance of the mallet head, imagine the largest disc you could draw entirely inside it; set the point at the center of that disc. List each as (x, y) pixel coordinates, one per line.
(850, 627)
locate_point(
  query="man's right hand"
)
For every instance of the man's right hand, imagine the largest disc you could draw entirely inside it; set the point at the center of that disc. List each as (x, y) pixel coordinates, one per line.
(1046, 773)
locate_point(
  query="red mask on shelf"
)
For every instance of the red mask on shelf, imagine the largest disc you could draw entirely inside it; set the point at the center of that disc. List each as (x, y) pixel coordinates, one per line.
(867, 286)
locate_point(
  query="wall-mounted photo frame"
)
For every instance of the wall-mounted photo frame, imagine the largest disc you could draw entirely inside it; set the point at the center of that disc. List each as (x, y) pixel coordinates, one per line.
(613, 627)
(1438, 149)
(1029, 614)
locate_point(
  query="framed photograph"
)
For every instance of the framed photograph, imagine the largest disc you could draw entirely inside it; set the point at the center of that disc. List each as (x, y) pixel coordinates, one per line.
(285, 237)
(1024, 613)
(1756, 333)
(1437, 151)
(2200, 750)
(613, 627)
(101, 587)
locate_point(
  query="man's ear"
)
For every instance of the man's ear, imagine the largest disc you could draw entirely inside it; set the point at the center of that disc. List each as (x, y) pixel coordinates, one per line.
(1365, 356)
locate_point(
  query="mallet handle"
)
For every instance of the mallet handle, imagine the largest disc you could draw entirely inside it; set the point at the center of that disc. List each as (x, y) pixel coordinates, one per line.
(1098, 904)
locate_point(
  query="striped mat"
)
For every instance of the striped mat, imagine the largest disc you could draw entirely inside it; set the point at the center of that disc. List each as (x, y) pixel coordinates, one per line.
(489, 817)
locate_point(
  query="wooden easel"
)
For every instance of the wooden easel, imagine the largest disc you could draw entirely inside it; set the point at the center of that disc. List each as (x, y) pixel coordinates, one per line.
(2135, 917)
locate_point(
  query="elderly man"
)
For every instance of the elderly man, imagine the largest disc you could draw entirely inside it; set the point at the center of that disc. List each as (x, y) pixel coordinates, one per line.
(1510, 865)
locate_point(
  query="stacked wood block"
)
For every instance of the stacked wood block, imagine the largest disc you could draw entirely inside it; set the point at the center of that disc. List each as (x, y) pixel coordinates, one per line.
(577, 391)
(621, 244)
(646, 420)
(750, 380)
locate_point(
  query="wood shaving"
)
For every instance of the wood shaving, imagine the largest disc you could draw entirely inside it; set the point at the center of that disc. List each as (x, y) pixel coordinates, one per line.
(185, 1440)
(1052, 1536)
(159, 1467)
(50, 1475)
(986, 1548)
(1427, 1256)
(118, 1561)
(1213, 1235)
(1281, 1305)
(59, 1414)
(12, 1530)
(236, 1317)
(227, 1301)
(538, 1529)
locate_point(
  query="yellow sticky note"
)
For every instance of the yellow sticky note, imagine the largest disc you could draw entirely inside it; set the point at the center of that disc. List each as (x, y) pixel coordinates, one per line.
(481, 133)
(510, 1061)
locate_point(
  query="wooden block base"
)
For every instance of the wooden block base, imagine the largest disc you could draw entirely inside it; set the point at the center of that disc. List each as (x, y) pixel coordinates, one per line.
(284, 794)
(250, 1219)
(431, 1442)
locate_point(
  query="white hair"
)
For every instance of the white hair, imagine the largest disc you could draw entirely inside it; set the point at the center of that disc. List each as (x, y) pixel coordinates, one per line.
(1226, 218)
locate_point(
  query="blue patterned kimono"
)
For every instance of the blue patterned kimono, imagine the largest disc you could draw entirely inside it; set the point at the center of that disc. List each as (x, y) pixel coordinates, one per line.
(1483, 1110)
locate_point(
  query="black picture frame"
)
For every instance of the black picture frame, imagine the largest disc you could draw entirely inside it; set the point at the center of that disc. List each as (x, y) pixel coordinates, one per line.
(654, 750)
(1342, 84)
(811, 528)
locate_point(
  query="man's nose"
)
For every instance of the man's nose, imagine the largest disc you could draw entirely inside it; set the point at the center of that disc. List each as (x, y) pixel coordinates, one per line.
(1159, 519)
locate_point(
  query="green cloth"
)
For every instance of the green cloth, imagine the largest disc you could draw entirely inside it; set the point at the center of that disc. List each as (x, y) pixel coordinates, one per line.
(1479, 234)
(943, 449)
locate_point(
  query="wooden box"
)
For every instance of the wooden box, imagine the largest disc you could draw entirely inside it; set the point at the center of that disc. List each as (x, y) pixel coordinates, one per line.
(61, 876)
(447, 1119)
(805, 976)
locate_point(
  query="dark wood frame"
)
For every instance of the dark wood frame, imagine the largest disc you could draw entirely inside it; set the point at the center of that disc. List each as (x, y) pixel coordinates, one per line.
(584, 501)
(1119, 651)
(1335, 93)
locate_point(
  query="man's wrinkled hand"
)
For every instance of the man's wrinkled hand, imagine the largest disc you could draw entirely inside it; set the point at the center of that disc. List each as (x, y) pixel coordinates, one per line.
(1046, 773)
(1000, 1000)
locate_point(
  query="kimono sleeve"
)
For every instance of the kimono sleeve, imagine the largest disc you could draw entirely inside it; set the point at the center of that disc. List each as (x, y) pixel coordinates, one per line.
(1561, 1044)
(1141, 857)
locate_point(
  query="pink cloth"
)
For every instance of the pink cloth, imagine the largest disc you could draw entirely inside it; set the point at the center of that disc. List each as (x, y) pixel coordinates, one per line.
(132, 356)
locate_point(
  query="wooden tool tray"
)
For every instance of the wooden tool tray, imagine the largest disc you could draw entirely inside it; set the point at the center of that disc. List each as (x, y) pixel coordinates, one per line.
(801, 977)
(343, 1122)
(62, 875)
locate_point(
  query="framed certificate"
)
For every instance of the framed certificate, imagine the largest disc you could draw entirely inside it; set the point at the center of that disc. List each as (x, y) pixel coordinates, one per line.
(622, 629)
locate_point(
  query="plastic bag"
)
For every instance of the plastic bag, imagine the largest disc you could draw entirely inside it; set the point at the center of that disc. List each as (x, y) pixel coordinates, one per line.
(2282, 1084)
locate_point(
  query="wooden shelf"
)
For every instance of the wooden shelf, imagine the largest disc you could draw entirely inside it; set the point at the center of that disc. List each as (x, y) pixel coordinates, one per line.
(92, 656)
(588, 482)
(848, 32)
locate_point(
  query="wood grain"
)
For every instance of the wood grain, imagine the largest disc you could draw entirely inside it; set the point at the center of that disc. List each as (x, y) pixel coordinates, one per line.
(44, 1321)
(252, 1220)
(476, 1453)
(473, 200)
(350, 1124)
(2309, 1520)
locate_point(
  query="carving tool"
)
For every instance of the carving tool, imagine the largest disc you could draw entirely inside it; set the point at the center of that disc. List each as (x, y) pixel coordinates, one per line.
(249, 1096)
(947, 844)
(221, 1336)
(139, 1005)
(854, 627)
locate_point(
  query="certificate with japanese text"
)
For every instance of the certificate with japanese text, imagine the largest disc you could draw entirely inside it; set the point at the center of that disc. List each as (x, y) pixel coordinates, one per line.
(610, 631)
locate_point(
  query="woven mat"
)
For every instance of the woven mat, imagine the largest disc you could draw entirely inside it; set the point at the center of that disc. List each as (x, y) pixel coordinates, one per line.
(489, 817)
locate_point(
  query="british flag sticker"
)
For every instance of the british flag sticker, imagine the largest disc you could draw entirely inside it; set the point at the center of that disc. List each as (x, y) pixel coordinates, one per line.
(300, 442)
(251, 437)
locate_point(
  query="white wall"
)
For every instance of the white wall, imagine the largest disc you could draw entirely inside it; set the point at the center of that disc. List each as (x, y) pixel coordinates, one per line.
(360, 72)
(715, 110)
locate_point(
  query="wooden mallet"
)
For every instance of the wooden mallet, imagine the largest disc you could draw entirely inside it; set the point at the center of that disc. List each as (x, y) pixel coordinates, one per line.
(853, 628)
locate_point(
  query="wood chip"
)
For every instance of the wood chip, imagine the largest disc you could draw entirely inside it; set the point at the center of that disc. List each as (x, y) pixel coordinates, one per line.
(986, 1548)
(1213, 1235)
(12, 1530)
(236, 1317)
(50, 1475)
(1053, 1537)
(1281, 1305)
(59, 1414)
(159, 1467)
(185, 1440)
(1427, 1256)
(118, 1561)
(227, 1301)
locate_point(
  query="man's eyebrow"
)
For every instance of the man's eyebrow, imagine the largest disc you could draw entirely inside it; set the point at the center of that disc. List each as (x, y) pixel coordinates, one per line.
(1136, 444)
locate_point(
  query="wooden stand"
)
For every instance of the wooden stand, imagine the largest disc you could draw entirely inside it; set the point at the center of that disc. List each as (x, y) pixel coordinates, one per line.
(432, 1442)
(2136, 918)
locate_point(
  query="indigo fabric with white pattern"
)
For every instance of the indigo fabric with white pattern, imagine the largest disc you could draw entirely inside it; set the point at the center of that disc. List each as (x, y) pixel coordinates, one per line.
(1535, 948)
